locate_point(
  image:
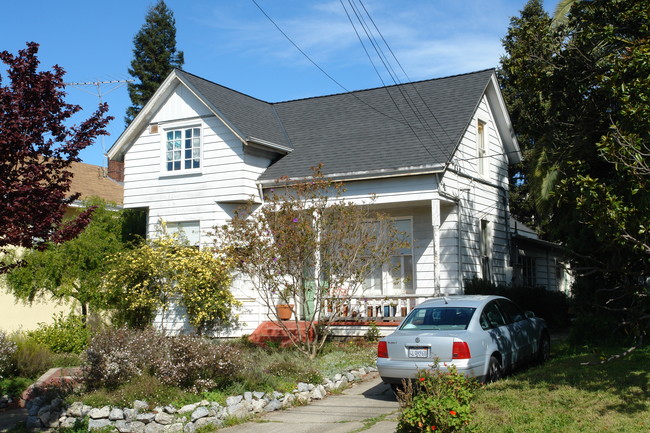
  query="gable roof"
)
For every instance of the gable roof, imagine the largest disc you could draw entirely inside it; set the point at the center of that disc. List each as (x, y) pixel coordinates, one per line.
(92, 180)
(403, 129)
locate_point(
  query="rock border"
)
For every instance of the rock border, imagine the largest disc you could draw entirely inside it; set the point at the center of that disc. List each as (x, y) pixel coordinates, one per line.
(140, 418)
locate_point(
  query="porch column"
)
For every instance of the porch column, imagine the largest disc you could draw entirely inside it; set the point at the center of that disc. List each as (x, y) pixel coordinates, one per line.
(435, 222)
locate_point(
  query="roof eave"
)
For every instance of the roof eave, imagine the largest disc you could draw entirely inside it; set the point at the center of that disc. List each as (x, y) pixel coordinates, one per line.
(503, 122)
(268, 144)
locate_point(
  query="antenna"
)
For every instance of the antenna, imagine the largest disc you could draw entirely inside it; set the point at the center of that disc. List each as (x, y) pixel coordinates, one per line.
(116, 84)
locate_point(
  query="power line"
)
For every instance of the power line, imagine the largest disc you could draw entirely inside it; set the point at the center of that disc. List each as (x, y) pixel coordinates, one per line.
(353, 94)
(377, 71)
(421, 118)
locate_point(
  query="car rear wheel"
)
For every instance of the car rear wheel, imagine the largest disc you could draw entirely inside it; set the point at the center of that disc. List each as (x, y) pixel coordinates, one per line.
(494, 370)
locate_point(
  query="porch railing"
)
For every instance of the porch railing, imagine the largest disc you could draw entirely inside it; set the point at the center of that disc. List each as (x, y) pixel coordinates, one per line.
(391, 308)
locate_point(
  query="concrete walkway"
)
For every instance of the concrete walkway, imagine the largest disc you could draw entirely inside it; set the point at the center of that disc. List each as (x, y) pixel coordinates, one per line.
(368, 406)
(9, 418)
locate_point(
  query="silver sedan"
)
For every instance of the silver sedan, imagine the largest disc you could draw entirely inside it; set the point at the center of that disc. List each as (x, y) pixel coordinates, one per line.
(483, 336)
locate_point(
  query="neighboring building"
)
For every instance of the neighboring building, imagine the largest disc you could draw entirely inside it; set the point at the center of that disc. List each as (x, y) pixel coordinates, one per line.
(434, 153)
(538, 263)
(89, 180)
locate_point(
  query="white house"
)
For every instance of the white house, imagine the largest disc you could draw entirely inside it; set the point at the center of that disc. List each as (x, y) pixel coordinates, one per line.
(434, 153)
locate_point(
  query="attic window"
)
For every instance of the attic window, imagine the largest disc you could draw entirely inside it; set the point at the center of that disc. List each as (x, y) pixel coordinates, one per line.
(183, 149)
(481, 146)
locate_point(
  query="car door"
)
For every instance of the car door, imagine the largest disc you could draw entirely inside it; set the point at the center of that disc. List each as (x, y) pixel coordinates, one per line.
(495, 324)
(520, 330)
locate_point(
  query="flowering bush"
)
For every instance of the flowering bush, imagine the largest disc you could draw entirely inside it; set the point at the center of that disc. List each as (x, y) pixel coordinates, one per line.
(439, 401)
(7, 351)
(196, 364)
(116, 355)
(144, 280)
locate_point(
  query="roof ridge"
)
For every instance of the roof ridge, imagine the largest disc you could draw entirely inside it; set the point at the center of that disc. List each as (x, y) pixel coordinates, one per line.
(223, 87)
(383, 87)
(335, 94)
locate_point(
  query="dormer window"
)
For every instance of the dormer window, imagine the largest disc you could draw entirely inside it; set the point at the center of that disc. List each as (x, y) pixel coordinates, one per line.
(182, 149)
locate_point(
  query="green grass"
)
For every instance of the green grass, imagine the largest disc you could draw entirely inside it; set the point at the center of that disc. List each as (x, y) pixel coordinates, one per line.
(564, 396)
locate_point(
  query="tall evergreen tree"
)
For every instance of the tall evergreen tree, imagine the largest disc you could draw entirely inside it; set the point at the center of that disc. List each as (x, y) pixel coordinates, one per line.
(530, 45)
(154, 56)
(588, 160)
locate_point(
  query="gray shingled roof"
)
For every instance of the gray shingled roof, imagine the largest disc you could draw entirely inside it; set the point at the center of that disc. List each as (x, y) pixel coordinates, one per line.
(252, 117)
(398, 128)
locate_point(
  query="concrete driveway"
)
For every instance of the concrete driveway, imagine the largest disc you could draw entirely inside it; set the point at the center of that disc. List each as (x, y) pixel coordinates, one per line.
(369, 406)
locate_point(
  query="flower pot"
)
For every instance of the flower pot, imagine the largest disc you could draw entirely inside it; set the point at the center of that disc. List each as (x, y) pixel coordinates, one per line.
(284, 311)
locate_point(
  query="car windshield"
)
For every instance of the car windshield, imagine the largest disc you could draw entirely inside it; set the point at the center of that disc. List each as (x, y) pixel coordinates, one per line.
(438, 318)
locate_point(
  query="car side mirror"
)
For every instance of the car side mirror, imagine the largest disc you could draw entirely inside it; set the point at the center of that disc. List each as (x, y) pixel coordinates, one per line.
(529, 314)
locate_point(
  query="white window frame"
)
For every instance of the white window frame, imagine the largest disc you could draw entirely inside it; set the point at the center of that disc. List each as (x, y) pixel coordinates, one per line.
(485, 249)
(182, 128)
(182, 227)
(383, 282)
(482, 145)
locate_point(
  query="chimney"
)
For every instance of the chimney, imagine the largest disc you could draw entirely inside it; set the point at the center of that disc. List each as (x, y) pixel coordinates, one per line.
(116, 170)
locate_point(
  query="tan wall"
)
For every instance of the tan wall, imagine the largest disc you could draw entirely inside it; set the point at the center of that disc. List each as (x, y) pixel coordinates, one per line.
(16, 316)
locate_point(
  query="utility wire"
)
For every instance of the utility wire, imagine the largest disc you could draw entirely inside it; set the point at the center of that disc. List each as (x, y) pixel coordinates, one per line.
(391, 71)
(381, 79)
(353, 94)
(404, 71)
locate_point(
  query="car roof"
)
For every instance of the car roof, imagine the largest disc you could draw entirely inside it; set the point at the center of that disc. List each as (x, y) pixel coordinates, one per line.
(471, 301)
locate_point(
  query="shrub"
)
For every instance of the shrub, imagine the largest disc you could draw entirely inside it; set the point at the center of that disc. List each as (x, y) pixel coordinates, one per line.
(552, 306)
(196, 364)
(7, 352)
(67, 334)
(440, 402)
(31, 358)
(114, 356)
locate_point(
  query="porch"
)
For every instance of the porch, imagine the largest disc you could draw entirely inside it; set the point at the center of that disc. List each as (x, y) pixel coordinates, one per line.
(352, 317)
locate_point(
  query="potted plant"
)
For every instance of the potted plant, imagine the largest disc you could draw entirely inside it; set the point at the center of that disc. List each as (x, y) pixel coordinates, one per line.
(284, 311)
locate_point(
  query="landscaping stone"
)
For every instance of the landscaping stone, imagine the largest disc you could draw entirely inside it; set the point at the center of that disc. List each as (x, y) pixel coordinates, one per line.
(200, 412)
(116, 414)
(98, 424)
(145, 417)
(99, 413)
(188, 408)
(141, 419)
(209, 421)
(164, 418)
(140, 405)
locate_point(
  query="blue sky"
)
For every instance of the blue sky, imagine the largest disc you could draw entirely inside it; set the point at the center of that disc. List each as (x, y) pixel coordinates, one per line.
(232, 43)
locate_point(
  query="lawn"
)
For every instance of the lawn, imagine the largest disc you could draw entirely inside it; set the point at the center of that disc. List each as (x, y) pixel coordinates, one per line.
(564, 396)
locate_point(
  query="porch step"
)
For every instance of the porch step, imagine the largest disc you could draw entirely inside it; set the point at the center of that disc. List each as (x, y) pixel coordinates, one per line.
(273, 332)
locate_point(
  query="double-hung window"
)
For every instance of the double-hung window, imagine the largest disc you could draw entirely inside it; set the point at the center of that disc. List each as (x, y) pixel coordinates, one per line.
(397, 275)
(182, 149)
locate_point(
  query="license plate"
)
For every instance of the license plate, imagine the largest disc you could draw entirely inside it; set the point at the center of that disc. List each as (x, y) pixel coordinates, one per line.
(418, 352)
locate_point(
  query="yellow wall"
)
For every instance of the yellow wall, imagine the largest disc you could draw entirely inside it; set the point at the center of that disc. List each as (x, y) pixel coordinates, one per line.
(15, 316)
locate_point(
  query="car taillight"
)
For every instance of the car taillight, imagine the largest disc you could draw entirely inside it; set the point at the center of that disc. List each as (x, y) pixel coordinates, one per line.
(460, 350)
(382, 350)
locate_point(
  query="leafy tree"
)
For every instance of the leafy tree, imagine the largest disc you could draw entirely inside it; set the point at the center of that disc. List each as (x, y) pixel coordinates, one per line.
(588, 164)
(36, 150)
(154, 56)
(73, 269)
(309, 248)
(530, 45)
(145, 280)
